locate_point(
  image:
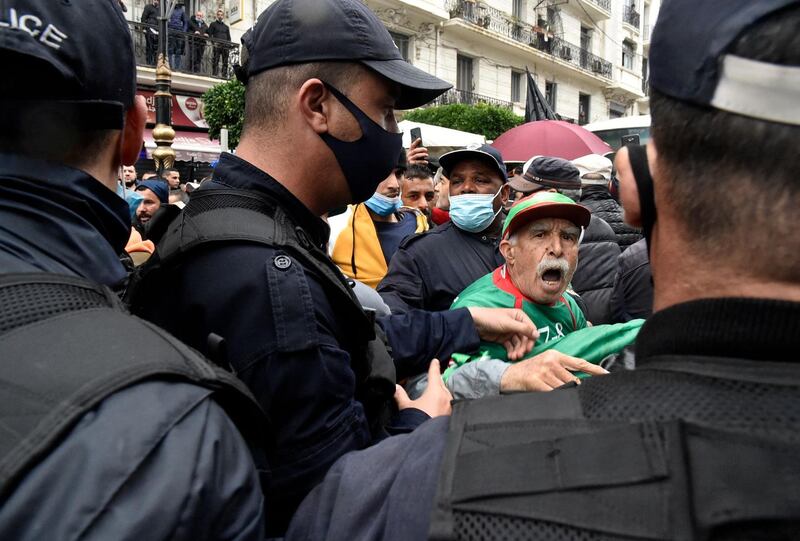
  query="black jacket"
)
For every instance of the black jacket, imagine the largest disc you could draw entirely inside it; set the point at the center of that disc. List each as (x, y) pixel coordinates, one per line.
(198, 26)
(219, 30)
(163, 452)
(286, 340)
(726, 364)
(431, 269)
(150, 14)
(597, 264)
(599, 201)
(632, 296)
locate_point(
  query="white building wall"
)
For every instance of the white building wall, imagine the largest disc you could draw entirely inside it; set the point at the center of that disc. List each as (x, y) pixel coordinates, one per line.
(434, 44)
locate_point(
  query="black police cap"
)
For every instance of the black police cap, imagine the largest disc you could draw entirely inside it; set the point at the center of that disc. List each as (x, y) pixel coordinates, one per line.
(690, 59)
(76, 51)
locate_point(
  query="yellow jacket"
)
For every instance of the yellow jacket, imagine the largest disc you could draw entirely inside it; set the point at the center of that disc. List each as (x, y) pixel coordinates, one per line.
(366, 263)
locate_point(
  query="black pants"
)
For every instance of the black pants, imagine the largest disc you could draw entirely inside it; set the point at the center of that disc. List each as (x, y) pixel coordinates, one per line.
(197, 47)
(220, 51)
(151, 46)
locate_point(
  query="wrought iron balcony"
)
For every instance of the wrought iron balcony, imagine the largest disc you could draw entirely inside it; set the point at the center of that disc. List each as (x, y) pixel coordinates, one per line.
(468, 98)
(195, 53)
(605, 4)
(485, 16)
(631, 16)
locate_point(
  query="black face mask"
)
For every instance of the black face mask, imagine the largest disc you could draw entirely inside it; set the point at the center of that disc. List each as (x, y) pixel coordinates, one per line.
(368, 160)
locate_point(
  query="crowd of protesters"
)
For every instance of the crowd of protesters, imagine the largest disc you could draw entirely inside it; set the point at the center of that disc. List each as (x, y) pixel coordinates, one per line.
(377, 343)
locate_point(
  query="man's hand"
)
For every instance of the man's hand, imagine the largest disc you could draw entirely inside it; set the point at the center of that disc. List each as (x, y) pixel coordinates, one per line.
(417, 154)
(545, 372)
(435, 401)
(508, 326)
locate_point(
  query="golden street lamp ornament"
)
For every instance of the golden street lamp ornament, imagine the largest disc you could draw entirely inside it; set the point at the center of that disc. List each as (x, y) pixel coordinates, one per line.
(163, 134)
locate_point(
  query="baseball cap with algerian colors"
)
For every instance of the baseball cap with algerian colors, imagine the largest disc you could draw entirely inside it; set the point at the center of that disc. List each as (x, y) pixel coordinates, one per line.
(545, 205)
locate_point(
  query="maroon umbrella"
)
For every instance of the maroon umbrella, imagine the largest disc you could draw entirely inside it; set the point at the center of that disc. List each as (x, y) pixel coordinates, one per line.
(549, 138)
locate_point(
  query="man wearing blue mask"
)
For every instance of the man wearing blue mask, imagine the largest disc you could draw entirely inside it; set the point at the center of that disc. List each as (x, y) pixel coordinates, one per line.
(244, 275)
(429, 271)
(369, 233)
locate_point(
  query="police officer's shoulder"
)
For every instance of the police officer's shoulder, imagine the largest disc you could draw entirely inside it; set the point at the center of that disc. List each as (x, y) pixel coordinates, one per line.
(421, 240)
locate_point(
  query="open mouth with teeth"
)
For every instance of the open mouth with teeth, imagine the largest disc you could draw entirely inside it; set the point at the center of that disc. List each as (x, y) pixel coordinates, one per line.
(552, 279)
(552, 276)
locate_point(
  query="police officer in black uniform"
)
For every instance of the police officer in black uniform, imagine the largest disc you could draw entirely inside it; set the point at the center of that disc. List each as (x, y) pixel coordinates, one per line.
(109, 429)
(244, 275)
(700, 441)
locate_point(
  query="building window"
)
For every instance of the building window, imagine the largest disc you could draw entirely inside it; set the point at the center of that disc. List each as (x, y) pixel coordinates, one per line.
(630, 15)
(586, 38)
(645, 77)
(516, 86)
(628, 52)
(518, 9)
(616, 110)
(584, 101)
(464, 80)
(402, 44)
(586, 47)
(550, 91)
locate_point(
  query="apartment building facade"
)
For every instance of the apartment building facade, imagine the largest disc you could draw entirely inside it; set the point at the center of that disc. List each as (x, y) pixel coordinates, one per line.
(588, 57)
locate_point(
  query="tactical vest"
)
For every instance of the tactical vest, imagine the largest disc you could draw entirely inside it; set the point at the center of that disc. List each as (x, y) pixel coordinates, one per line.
(66, 344)
(218, 216)
(534, 466)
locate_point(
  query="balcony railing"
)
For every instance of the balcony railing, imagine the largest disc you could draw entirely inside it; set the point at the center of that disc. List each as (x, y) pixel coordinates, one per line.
(194, 53)
(468, 98)
(485, 16)
(631, 16)
(605, 4)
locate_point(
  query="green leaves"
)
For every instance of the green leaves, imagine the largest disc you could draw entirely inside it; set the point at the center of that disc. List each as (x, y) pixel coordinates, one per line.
(224, 108)
(482, 118)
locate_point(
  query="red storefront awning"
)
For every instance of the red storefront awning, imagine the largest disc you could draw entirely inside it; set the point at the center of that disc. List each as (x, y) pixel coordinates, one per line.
(187, 145)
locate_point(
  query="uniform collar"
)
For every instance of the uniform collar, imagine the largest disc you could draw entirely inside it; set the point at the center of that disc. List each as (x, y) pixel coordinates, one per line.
(234, 172)
(60, 219)
(744, 328)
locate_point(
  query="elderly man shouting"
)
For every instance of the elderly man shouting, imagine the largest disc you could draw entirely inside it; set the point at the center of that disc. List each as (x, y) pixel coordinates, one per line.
(540, 242)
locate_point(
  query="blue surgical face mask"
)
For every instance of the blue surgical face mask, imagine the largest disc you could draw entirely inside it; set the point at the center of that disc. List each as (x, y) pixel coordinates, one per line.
(382, 205)
(473, 212)
(368, 160)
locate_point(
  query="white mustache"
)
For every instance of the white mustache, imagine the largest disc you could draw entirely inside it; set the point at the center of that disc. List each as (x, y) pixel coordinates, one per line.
(550, 263)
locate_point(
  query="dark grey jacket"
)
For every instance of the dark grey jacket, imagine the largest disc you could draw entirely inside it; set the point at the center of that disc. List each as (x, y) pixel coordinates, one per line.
(158, 460)
(632, 296)
(599, 201)
(597, 264)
